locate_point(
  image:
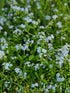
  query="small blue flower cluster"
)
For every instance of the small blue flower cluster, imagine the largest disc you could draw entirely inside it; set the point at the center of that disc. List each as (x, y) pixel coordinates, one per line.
(58, 77)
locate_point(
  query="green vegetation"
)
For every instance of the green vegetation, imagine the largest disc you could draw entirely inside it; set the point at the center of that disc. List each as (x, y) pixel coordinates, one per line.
(35, 46)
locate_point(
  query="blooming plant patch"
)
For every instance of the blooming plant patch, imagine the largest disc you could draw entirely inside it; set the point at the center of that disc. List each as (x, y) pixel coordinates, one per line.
(35, 46)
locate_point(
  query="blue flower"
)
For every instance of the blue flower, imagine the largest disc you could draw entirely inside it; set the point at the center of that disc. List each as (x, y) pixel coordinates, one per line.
(54, 16)
(1, 27)
(53, 88)
(36, 84)
(25, 74)
(52, 5)
(48, 17)
(50, 86)
(33, 85)
(69, 59)
(44, 50)
(58, 79)
(59, 24)
(3, 47)
(55, 85)
(51, 66)
(17, 70)
(60, 64)
(68, 90)
(24, 47)
(62, 79)
(57, 32)
(65, 4)
(40, 55)
(39, 49)
(58, 74)
(49, 38)
(22, 26)
(7, 65)
(46, 90)
(1, 54)
(60, 87)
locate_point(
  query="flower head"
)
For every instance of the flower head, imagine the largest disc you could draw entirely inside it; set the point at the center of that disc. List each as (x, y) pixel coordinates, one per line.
(54, 16)
(58, 74)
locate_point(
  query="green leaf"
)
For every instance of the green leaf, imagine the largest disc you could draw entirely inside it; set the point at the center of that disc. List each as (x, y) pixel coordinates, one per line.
(45, 81)
(37, 75)
(20, 58)
(66, 91)
(1, 5)
(31, 57)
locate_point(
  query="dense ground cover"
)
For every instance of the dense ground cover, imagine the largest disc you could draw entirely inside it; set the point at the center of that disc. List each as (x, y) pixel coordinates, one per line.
(35, 46)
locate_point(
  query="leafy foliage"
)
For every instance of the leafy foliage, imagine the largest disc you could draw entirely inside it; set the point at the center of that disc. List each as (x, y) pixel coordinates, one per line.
(35, 46)
(1, 5)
